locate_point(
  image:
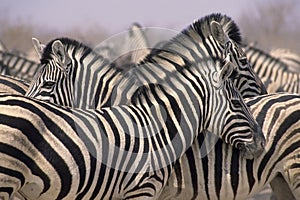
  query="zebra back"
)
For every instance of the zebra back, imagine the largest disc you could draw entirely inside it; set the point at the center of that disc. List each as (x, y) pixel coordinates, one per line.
(291, 59)
(13, 85)
(14, 64)
(273, 71)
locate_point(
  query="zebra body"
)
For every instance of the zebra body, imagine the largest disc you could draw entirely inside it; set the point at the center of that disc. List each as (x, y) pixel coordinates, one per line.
(12, 85)
(221, 172)
(291, 59)
(118, 152)
(17, 65)
(273, 71)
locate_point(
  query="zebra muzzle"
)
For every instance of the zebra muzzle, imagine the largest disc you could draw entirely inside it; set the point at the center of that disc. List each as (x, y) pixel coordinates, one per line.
(255, 148)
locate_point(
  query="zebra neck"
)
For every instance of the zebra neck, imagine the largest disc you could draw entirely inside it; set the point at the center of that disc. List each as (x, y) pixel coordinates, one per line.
(91, 71)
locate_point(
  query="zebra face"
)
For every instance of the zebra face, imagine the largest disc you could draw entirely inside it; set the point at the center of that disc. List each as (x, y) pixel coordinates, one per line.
(248, 81)
(53, 82)
(231, 115)
(46, 83)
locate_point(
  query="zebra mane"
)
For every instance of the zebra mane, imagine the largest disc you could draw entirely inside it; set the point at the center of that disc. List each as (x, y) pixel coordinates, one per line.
(69, 43)
(202, 26)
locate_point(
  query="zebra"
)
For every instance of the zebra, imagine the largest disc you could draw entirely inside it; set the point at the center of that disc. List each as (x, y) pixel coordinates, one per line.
(208, 36)
(287, 56)
(273, 71)
(3, 68)
(17, 65)
(82, 74)
(125, 49)
(221, 172)
(126, 151)
(49, 83)
(13, 85)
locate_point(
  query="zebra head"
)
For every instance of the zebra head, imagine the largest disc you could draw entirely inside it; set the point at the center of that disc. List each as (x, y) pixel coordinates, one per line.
(247, 81)
(71, 74)
(231, 115)
(54, 72)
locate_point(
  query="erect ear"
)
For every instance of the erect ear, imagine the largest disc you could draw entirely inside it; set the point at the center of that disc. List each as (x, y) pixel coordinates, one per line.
(59, 51)
(2, 47)
(38, 46)
(218, 32)
(227, 71)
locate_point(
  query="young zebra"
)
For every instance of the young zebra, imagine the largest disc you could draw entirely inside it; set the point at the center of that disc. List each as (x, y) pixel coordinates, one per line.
(209, 171)
(118, 152)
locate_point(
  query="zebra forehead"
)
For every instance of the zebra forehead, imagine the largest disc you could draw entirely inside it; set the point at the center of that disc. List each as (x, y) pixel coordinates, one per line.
(68, 43)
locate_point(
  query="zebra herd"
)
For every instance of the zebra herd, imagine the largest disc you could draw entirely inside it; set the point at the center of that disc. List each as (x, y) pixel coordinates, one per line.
(187, 119)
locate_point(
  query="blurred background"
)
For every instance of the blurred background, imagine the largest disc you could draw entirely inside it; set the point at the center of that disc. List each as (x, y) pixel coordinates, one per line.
(269, 23)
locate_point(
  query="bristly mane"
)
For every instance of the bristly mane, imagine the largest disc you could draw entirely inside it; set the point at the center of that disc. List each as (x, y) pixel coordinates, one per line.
(47, 53)
(202, 26)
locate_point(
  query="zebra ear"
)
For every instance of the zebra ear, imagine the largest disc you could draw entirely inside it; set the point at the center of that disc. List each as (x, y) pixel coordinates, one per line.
(38, 46)
(218, 32)
(227, 71)
(59, 51)
(2, 47)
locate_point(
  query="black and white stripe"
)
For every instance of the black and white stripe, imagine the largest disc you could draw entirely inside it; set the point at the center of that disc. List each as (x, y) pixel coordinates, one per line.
(221, 172)
(275, 73)
(13, 85)
(16, 65)
(290, 58)
(126, 151)
(210, 36)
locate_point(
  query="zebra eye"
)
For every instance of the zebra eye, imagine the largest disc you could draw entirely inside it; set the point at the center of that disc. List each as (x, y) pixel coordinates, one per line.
(244, 60)
(236, 103)
(234, 75)
(48, 84)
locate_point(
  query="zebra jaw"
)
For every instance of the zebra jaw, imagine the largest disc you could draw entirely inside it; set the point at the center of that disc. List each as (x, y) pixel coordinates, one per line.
(255, 148)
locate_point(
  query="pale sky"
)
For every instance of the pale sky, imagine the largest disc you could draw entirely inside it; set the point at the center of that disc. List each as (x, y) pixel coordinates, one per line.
(118, 15)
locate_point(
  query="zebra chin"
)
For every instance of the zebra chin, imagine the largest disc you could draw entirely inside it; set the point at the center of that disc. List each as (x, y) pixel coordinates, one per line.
(254, 148)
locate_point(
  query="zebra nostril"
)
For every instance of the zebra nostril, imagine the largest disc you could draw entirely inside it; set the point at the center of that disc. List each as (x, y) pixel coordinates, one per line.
(246, 151)
(240, 146)
(258, 136)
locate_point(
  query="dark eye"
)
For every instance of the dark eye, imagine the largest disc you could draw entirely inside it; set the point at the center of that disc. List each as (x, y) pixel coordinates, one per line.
(234, 74)
(236, 103)
(244, 60)
(48, 84)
